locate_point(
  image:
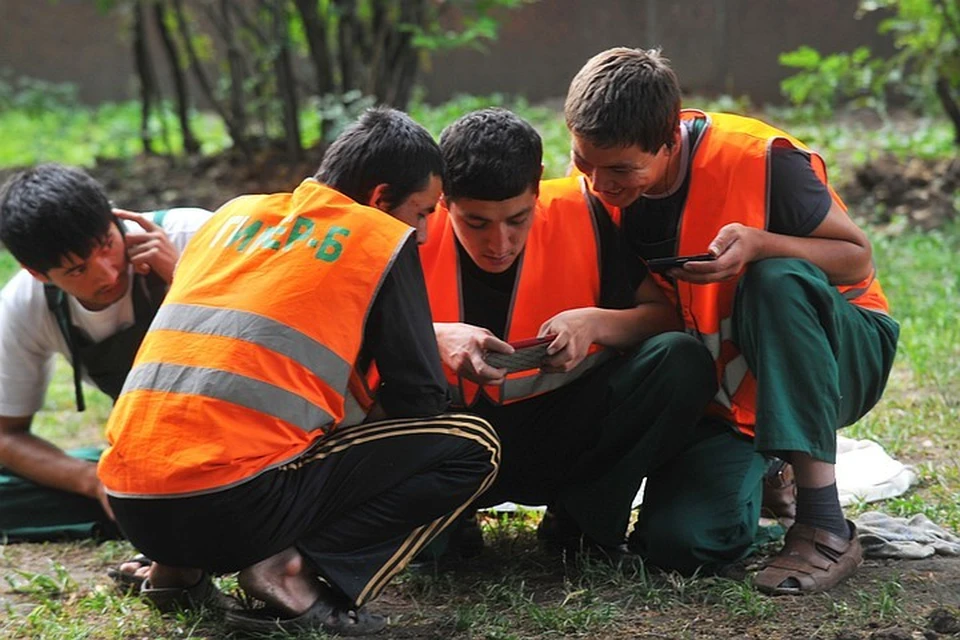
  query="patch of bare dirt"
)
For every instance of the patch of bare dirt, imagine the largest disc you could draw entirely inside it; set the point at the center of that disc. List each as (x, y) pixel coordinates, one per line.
(887, 189)
(921, 192)
(150, 182)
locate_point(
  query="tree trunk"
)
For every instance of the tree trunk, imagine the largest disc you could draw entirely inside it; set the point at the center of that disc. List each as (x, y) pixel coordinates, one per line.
(347, 43)
(148, 83)
(404, 60)
(378, 61)
(950, 106)
(261, 92)
(190, 144)
(403, 79)
(944, 90)
(315, 29)
(286, 83)
(235, 65)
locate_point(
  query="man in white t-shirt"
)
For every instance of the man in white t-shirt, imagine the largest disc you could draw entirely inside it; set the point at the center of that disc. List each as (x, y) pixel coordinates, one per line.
(92, 279)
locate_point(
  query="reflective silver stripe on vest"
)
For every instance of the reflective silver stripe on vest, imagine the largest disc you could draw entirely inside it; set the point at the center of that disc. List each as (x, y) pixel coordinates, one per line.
(723, 398)
(259, 330)
(852, 294)
(353, 412)
(734, 371)
(229, 387)
(518, 388)
(710, 340)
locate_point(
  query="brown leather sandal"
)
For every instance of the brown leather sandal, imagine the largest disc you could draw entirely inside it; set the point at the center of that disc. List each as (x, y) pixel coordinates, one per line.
(780, 495)
(816, 560)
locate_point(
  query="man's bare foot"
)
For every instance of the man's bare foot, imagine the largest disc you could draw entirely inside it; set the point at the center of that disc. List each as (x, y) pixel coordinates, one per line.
(139, 569)
(135, 570)
(282, 581)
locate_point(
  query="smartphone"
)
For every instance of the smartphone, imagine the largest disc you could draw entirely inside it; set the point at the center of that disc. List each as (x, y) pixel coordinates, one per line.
(659, 265)
(528, 354)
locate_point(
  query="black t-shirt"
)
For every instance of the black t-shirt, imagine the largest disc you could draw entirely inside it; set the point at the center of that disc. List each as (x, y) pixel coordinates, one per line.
(799, 202)
(487, 297)
(399, 336)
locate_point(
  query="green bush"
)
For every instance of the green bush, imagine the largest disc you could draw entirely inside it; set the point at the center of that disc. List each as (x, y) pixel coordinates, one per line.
(925, 68)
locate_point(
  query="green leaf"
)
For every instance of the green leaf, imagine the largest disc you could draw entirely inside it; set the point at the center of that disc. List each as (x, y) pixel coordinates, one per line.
(802, 58)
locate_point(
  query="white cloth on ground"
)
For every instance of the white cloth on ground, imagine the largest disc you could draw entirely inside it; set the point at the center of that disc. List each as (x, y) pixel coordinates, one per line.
(867, 473)
(886, 536)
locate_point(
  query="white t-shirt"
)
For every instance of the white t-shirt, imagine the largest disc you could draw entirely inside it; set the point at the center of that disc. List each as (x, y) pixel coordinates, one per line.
(29, 336)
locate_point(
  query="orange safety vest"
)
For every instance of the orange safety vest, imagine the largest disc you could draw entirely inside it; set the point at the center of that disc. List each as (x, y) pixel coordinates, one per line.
(361, 394)
(250, 357)
(729, 183)
(559, 270)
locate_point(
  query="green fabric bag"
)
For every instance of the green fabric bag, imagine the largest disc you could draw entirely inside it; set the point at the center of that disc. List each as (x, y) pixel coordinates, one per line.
(33, 513)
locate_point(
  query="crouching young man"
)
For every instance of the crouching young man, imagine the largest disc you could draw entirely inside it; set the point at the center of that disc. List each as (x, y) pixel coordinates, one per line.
(231, 445)
(508, 258)
(92, 280)
(790, 308)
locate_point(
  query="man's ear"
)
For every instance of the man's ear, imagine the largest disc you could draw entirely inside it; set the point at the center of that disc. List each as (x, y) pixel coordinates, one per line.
(378, 197)
(36, 274)
(677, 138)
(536, 187)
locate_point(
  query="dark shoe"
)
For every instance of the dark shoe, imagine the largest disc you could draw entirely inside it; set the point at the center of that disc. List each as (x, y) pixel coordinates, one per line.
(462, 539)
(558, 531)
(559, 534)
(811, 561)
(466, 537)
(780, 494)
(329, 614)
(202, 594)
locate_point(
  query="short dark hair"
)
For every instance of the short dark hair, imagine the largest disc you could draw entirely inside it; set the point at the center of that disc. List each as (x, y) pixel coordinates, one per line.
(384, 146)
(625, 97)
(490, 154)
(50, 211)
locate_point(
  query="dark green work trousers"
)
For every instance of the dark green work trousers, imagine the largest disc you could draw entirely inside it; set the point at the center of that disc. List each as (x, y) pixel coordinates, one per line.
(820, 362)
(33, 513)
(586, 447)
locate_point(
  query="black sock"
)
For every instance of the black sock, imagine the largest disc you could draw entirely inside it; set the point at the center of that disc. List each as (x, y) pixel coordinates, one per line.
(820, 508)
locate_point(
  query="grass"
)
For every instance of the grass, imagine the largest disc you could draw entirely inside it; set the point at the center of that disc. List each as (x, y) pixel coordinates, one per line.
(513, 590)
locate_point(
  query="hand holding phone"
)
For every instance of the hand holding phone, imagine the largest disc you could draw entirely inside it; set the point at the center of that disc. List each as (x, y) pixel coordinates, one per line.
(528, 354)
(662, 265)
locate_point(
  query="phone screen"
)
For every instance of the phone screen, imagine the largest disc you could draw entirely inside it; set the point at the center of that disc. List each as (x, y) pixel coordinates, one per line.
(528, 354)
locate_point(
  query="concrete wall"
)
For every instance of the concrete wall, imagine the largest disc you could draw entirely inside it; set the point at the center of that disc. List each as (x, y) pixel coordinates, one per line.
(717, 46)
(68, 41)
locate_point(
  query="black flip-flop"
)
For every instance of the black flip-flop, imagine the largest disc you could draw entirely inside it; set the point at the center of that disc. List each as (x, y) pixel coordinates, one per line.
(324, 615)
(128, 583)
